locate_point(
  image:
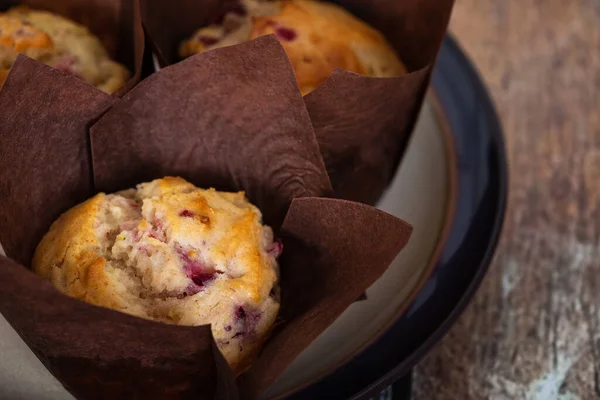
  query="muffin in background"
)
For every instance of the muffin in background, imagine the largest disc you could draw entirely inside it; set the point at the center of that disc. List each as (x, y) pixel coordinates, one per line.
(170, 252)
(60, 43)
(318, 37)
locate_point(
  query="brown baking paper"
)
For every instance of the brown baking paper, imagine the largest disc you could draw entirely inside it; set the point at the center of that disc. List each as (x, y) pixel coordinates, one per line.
(117, 23)
(362, 124)
(238, 123)
(45, 169)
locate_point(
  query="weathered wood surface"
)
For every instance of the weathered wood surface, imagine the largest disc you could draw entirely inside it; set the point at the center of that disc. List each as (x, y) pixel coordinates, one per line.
(533, 329)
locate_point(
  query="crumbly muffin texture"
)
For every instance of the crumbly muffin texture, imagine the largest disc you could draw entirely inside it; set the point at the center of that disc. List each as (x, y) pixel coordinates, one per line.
(171, 252)
(317, 37)
(60, 43)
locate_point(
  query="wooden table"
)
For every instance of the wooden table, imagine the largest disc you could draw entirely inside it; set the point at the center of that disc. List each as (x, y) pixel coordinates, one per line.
(533, 329)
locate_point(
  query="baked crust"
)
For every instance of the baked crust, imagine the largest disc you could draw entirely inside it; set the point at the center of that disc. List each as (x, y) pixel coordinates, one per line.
(60, 43)
(318, 37)
(173, 253)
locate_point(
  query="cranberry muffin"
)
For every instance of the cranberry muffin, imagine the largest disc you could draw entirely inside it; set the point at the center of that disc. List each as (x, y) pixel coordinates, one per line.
(60, 43)
(317, 37)
(171, 252)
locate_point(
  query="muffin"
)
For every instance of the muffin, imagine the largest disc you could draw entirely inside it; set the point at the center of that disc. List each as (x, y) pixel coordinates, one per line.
(60, 43)
(317, 37)
(171, 252)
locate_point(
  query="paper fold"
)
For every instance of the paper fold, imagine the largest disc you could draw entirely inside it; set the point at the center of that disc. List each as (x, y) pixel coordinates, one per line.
(362, 124)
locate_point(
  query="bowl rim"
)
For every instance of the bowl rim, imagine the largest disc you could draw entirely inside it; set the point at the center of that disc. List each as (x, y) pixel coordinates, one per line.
(495, 233)
(451, 53)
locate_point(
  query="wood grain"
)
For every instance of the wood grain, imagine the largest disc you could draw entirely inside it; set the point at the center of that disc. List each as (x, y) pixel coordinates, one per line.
(533, 330)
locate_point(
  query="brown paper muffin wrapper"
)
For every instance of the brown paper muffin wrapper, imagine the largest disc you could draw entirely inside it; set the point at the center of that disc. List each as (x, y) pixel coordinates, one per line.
(238, 122)
(362, 124)
(117, 23)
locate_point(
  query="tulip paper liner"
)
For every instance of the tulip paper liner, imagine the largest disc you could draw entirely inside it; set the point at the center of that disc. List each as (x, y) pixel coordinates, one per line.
(233, 119)
(362, 124)
(117, 23)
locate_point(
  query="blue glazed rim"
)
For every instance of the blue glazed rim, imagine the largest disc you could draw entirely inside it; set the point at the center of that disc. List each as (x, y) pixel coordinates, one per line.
(469, 113)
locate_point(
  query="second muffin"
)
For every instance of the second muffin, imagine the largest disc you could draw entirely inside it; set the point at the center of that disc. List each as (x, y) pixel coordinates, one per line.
(60, 43)
(317, 37)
